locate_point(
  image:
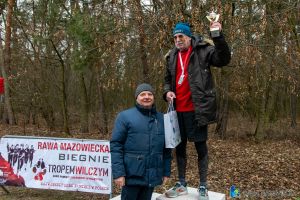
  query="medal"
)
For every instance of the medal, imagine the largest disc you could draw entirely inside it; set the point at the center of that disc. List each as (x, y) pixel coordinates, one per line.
(180, 79)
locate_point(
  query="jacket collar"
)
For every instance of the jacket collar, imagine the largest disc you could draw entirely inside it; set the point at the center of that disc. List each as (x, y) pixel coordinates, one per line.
(146, 111)
(197, 40)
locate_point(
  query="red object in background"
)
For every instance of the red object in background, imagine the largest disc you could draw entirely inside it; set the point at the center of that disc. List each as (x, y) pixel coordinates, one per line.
(10, 178)
(1, 85)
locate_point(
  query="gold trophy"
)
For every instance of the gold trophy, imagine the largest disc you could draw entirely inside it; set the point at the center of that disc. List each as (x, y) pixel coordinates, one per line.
(214, 17)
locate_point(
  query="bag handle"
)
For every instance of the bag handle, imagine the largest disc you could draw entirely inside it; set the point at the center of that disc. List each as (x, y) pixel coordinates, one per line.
(171, 106)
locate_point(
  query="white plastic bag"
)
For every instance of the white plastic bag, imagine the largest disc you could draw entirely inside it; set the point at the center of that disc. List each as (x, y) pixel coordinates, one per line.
(172, 132)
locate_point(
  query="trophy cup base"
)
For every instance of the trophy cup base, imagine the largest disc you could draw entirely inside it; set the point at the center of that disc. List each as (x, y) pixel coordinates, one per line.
(215, 33)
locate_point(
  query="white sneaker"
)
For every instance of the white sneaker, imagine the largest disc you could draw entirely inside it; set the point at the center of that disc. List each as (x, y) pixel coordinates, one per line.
(176, 191)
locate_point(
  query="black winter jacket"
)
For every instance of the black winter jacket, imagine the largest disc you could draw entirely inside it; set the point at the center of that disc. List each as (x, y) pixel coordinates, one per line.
(200, 79)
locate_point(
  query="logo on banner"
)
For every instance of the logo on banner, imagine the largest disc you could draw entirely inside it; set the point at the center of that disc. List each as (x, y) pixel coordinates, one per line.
(39, 170)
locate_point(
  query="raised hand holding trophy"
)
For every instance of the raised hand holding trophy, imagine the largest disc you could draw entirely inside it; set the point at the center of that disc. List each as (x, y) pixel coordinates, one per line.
(214, 17)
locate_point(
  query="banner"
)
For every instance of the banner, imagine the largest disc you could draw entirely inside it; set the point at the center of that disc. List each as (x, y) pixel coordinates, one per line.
(56, 163)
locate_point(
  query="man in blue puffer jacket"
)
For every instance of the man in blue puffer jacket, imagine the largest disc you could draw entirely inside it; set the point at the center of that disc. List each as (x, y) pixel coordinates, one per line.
(140, 160)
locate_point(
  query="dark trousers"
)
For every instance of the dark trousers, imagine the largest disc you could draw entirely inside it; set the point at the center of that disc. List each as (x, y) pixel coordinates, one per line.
(136, 193)
(190, 131)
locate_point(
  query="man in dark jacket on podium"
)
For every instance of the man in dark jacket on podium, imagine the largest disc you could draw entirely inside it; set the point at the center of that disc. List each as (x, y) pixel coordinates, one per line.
(189, 83)
(140, 160)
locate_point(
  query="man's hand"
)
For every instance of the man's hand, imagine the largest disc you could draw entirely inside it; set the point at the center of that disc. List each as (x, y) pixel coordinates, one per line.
(215, 25)
(165, 179)
(170, 96)
(120, 181)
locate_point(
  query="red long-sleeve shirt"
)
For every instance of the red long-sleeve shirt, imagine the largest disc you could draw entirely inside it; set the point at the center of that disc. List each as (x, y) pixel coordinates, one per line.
(183, 93)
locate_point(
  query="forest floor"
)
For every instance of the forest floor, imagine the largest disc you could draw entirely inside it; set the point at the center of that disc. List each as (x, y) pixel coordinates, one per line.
(266, 170)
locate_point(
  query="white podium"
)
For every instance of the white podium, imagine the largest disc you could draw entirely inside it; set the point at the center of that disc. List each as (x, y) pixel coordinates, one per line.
(154, 196)
(192, 195)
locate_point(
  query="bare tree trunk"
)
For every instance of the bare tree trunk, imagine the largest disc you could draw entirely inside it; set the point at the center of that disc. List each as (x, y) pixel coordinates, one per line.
(261, 118)
(267, 77)
(7, 50)
(293, 60)
(64, 101)
(142, 40)
(103, 122)
(48, 115)
(83, 96)
(84, 112)
(265, 101)
(63, 91)
(293, 110)
(7, 62)
(223, 113)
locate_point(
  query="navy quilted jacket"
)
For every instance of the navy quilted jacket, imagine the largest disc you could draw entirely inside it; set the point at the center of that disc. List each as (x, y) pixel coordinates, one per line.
(138, 147)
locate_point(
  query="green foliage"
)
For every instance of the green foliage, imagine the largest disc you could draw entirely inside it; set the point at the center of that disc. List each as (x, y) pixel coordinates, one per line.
(84, 31)
(80, 29)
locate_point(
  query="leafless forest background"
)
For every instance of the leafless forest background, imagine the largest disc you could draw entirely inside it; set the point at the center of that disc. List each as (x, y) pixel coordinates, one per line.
(74, 64)
(71, 66)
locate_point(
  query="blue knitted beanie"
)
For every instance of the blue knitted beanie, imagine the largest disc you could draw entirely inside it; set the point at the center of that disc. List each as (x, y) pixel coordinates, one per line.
(183, 28)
